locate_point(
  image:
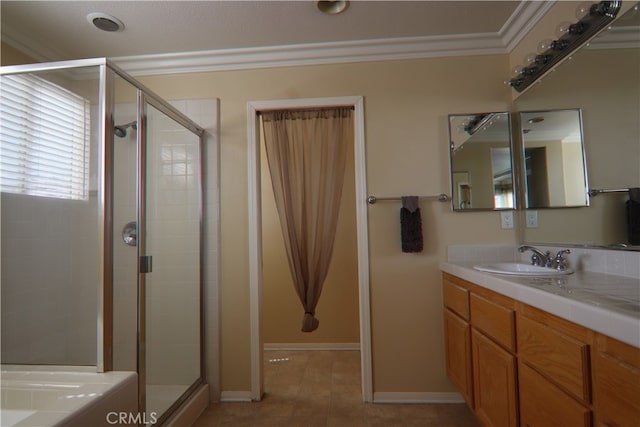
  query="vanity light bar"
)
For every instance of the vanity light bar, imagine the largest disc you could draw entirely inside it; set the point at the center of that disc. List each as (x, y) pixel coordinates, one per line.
(599, 16)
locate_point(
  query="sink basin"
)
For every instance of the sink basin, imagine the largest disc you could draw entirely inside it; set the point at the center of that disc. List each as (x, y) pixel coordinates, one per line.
(520, 269)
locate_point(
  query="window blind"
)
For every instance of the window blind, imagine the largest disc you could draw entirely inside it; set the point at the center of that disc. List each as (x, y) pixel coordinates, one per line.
(44, 139)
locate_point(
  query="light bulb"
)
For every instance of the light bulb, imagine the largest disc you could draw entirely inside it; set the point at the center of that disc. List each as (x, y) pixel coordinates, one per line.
(530, 59)
(544, 45)
(516, 71)
(583, 10)
(563, 29)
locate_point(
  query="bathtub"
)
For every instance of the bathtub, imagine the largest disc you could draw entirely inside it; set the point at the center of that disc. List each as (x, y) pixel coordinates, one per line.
(66, 396)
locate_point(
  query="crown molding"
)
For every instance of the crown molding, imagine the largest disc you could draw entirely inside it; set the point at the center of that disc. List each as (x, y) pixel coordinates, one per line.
(617, 38)
(517, 26)
(523, 19)
(312, 54)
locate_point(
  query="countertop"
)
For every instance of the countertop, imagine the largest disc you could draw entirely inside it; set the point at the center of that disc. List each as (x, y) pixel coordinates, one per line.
(605, 303)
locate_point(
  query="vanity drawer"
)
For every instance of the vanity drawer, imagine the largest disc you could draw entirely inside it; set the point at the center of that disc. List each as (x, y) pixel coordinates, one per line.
(562, 359)
(494, 320)
(456, 298)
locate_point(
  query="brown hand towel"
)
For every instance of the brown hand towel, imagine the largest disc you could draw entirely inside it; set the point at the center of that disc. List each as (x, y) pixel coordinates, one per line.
(411, 225)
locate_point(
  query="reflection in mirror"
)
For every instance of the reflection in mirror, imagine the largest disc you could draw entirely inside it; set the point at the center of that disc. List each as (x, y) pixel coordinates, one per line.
(603, 80)
(554, 159)
(481, 166)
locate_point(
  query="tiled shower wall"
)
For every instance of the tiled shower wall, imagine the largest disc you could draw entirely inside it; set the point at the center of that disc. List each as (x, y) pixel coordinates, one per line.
(50, 261)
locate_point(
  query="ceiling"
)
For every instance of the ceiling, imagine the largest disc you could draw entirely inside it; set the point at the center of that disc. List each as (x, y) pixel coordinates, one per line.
(57, 30)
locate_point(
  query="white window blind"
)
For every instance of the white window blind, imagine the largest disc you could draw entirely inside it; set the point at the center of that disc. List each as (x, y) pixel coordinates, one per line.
(44, 139)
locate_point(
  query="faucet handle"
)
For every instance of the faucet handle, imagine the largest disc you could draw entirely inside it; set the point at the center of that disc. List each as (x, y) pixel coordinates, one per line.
(537, 260)
(560, 262)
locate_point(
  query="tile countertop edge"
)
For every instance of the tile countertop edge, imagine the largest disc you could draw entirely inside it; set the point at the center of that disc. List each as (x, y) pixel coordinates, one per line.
(605, 321)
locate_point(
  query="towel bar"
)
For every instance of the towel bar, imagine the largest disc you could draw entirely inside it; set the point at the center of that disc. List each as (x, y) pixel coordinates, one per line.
(440, 197)
(595, 192)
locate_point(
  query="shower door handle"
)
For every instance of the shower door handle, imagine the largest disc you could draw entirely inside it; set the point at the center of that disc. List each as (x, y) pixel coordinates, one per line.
(146, 264)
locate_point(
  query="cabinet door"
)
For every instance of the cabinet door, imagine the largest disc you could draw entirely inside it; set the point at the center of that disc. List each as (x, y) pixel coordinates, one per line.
(495, 383)
(457, 336)
(542, 404)
(617, 384)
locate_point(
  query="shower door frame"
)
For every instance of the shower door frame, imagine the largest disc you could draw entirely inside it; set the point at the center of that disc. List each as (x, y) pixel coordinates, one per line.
(105, 132)
(144, 97)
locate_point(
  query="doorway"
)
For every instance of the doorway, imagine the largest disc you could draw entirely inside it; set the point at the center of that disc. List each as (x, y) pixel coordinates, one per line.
(255, 233)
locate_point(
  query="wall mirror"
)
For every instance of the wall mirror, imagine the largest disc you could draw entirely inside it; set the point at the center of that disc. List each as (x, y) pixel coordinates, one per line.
(553, 159)
(481, 162)
(603, 81)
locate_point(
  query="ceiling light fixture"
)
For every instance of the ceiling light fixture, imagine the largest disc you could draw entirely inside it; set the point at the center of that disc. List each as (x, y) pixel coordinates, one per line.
(332, 7)
(105, 22)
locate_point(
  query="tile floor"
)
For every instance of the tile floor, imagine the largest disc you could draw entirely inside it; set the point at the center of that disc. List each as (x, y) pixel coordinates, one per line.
(322, 389)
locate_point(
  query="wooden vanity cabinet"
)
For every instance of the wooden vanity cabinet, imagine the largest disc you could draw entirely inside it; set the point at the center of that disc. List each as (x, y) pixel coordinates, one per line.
(518, 365)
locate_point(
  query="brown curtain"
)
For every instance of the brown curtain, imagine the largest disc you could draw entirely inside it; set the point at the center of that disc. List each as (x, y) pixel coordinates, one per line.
(306, 152)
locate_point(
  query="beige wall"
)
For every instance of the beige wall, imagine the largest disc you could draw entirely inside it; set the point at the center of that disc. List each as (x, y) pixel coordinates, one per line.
(11, 56)
(406, 108)
(338, 309)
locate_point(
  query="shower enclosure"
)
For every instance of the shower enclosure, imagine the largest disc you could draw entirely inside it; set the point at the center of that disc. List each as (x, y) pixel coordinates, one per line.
(101, 215)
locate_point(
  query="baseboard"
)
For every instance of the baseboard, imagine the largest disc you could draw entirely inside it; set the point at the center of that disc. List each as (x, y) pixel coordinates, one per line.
(312, 346)
(401, 397)
(235, 396)
(379, 397)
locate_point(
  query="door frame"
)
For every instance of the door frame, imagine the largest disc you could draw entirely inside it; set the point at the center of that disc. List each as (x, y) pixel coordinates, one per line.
(255, 232)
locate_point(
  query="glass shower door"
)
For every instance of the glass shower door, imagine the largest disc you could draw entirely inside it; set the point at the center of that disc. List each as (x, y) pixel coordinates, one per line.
(171, 291)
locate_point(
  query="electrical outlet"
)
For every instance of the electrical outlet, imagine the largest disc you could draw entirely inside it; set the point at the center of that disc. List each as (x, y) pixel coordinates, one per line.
(506, 219)
(532, 219)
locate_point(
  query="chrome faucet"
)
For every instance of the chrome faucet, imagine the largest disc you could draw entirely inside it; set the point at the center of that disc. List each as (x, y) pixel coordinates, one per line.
(538, 257)
(544, 259)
